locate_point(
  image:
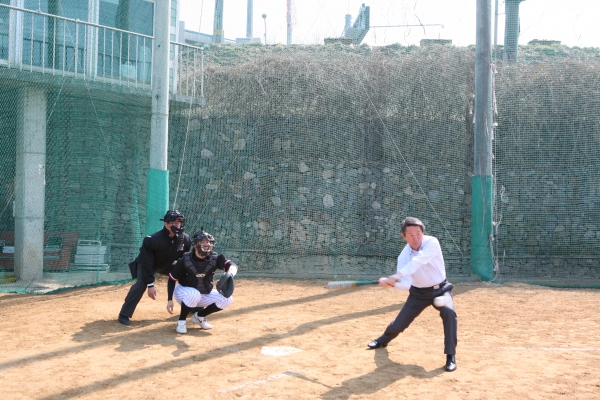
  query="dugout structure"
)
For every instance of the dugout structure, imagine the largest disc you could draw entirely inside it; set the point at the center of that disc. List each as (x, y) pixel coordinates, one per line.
(305, 159)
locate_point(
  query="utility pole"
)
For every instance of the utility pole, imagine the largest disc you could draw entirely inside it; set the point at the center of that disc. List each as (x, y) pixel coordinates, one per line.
(289, 22)
(511, 32)
(218, 34)
(482, 180)
(157, 197)
(495, 30)
(264, 16)
(249, 20)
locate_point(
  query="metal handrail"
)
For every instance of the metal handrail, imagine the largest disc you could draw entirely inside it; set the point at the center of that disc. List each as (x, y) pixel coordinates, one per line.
(73, 20)
(90, 60)
(187, 71)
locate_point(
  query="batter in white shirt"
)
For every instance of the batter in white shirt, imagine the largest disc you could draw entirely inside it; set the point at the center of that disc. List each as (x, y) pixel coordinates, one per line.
(422, 271)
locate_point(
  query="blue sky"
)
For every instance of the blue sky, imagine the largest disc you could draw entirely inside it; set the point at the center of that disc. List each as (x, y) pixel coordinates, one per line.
(573, 22)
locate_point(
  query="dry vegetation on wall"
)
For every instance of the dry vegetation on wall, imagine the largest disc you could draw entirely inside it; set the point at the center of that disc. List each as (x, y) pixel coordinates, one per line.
(336, 81)
(410, 82)
(539, 102)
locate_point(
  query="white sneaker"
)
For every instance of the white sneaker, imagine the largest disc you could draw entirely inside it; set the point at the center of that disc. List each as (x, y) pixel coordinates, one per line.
(201, 321)
(181, 327)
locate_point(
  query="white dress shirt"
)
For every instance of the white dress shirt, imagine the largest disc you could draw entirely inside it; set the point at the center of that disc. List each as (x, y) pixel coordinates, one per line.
(422, 268)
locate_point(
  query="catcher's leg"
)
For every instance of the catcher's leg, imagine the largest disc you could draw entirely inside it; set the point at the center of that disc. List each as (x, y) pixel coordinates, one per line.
(185, 311)
(213, 302)
(216, 298)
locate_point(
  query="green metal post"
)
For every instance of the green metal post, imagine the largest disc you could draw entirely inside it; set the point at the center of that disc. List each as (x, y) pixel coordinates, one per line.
(482, 182)
(481, 227)
(157, 200)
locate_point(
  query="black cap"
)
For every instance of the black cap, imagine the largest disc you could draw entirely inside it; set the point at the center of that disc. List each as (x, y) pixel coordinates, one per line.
(172, 215)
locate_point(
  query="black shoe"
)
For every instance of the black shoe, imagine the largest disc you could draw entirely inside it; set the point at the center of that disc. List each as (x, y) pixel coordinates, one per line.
(375, 344)
(124, 320)
(450, 363)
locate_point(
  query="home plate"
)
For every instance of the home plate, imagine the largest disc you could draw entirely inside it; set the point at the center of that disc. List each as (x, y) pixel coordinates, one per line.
(279, 351)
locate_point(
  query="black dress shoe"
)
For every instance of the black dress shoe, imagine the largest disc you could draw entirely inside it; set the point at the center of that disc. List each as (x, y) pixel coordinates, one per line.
(375, 344)
(124, 320)
(450, 363)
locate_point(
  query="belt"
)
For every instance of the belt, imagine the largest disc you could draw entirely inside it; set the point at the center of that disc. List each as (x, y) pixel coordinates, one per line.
(434, 287)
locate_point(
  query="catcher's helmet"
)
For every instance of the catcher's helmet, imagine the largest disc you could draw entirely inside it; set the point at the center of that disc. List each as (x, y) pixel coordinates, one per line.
(204, 249)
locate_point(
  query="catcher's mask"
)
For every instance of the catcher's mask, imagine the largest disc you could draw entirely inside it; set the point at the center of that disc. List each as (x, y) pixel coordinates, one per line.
(172, 216)
(205, 249)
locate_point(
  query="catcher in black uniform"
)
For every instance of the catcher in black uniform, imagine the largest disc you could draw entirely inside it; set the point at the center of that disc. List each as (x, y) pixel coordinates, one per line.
(195, 272)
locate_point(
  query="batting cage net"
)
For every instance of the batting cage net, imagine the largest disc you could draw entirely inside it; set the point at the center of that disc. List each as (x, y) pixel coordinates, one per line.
(301, 160)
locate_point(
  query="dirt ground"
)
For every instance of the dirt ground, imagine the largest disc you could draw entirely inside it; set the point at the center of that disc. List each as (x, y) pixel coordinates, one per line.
(515, 341)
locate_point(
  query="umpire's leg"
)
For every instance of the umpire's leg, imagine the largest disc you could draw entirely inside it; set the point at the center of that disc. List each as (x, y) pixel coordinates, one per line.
(134, 296)
(411, 310)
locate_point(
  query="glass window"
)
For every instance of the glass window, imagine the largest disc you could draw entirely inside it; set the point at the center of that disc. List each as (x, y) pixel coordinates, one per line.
(129, 15)
(41, 5)
(4, 30)
(172, 47)
(76, 9)
(173, 12)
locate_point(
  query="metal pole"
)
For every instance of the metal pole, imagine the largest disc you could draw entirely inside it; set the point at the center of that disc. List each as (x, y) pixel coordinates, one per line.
(495, 30)
(218, 34)
(482, 183)
(264, 16)
(157, 200)
(511, 31)
(249, 20)
(289, 21)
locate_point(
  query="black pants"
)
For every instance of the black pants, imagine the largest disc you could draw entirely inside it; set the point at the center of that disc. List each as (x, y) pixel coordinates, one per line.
(418, 300)
(136, 292)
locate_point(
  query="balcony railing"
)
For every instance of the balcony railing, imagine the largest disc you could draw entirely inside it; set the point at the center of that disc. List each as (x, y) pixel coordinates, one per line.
(41, 42)
(190, 60)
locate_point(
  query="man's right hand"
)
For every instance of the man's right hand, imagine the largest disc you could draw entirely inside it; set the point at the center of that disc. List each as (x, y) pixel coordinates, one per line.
(387, 282)
(152, 292)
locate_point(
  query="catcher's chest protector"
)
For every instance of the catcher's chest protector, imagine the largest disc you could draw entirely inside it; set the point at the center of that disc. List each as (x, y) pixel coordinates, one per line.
(198, 274)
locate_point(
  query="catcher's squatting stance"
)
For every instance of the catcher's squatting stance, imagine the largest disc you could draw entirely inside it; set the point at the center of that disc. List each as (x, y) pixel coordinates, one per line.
(421, 269)
(195, 272)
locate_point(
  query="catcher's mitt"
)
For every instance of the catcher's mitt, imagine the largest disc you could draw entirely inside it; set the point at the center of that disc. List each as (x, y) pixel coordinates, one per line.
(225, 284)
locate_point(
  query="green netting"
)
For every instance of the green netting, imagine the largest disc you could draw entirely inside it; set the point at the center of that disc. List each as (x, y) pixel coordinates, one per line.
(547, 165)
(299, 167)
(302, 163)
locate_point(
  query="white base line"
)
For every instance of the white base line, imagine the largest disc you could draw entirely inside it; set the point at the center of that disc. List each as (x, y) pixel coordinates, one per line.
(260, 382)
(539, 348)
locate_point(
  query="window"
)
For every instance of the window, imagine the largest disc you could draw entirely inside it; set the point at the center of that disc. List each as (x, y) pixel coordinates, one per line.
(173, 12)
(129, 15)
(172, 48)
(4, 30)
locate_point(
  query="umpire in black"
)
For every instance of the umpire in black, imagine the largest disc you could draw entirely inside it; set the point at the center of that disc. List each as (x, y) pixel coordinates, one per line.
(158, 252)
